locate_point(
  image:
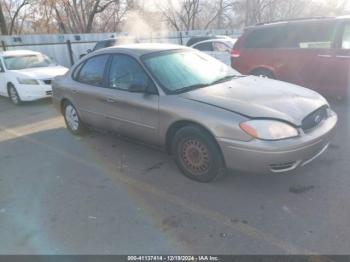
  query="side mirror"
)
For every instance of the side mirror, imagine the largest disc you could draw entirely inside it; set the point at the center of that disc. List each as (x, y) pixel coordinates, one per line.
(2, 70)
(89, 51)
(82, 55)
(138, 88)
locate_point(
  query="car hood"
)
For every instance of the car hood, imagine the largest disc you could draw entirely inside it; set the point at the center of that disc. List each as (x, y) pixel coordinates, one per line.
(257, 97)
(42, 72)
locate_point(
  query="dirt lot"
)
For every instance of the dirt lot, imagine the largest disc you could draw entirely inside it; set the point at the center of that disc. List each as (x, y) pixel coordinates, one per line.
(99, 194)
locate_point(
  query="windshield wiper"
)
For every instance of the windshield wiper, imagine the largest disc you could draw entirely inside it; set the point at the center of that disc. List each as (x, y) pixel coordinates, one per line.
(225, 79)
(190, 88)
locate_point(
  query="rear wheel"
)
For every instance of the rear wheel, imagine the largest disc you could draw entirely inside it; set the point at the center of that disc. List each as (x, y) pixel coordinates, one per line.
(13, 95)
(197, 155)
(263, 73)
(72, 119)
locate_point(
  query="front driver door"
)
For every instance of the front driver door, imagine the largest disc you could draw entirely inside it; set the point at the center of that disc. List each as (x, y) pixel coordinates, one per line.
(131, 113)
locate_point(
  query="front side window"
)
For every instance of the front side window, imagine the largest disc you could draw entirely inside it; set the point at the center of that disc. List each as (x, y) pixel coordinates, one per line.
(19, 62)
(182, 71)
(346, 37)
(221, 47)
(92, 72)
(126, 71)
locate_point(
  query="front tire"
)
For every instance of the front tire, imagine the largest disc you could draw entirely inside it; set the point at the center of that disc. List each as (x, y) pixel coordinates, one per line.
(13, 95)
(197, 155)
(72, 119)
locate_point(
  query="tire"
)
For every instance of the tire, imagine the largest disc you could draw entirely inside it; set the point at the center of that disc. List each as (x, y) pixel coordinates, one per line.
(73, 120)
(197, 155)
(263, 73)
(13, 95)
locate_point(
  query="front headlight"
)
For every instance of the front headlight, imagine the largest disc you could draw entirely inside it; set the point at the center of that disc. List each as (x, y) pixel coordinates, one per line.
(27, 81)
(269, 129)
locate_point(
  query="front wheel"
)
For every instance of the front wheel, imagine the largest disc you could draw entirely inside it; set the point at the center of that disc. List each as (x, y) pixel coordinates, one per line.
(72, 119)
(197, 155)
(13, 94)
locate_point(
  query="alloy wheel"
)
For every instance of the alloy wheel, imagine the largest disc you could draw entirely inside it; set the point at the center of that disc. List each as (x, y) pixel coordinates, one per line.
(72, 118)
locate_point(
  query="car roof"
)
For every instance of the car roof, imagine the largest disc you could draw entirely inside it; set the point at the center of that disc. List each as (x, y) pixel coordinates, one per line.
(18, 52)
(226, 39)
(301, 20)
(107, 40)
(141, 49)
(195, 39)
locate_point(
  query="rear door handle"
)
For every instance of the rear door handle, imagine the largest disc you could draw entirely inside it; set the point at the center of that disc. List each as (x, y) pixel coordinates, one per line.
(325, 56)
(75, 91)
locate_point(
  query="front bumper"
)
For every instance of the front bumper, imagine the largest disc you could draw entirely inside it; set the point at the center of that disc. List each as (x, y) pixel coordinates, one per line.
(34, 92)
(278, 156)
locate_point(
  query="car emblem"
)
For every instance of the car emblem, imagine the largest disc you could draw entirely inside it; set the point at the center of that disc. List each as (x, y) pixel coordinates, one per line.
(318, 119)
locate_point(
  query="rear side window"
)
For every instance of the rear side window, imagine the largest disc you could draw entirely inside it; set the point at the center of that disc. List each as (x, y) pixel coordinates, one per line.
(268, 37)
(92, 72)
(205, 47)
(311, 35)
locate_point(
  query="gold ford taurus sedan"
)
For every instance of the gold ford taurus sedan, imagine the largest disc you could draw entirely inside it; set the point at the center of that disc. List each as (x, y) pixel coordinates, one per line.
(207, 115)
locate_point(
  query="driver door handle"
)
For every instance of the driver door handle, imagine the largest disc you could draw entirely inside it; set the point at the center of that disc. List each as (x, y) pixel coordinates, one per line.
(75, 91)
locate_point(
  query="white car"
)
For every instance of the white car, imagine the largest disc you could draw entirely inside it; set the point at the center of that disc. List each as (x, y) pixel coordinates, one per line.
(218, 48)
(26, 75)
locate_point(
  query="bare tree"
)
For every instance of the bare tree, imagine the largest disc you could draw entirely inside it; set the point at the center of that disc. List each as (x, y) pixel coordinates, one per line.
(86, 16)
(13, 9)
(3, 25)
(182, 16)
(79, 15)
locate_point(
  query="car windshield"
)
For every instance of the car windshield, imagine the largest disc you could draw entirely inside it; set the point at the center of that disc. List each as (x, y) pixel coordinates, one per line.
(182, 71)
(27, 61)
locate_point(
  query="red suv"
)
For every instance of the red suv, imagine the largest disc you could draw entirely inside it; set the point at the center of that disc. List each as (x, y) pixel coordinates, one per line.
(313, 53)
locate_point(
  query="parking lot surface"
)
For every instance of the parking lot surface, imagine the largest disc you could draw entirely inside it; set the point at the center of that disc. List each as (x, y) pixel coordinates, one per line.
(100, 194)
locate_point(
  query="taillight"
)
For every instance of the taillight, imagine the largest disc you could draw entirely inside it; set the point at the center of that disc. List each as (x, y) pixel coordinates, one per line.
(235, 53)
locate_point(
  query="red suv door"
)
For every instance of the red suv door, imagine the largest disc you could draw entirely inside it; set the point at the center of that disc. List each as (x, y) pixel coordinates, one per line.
(308, 52)
(340, 69)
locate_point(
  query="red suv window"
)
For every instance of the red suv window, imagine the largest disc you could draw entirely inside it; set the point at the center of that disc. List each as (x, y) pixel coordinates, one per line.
(310, 36)
(267, 37)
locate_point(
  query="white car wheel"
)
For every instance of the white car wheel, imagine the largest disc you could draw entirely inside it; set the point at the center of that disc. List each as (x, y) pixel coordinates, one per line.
(13, 94)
